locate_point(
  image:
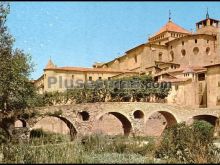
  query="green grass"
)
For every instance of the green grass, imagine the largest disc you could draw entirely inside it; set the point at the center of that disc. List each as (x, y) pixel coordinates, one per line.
(46, 147)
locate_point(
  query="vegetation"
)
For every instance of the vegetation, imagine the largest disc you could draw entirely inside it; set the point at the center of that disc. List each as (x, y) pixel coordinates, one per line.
(179, 144)
(189, 144)
(15, 68)
(88, 149)
(127, 89)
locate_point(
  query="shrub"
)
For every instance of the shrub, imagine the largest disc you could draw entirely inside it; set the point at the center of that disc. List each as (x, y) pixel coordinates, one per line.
(188, 144)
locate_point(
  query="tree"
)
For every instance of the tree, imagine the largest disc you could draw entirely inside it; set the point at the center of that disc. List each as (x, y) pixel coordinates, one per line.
(15, 69)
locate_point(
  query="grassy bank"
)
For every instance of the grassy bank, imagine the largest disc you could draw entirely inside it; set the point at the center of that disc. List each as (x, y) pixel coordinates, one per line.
(179, 144)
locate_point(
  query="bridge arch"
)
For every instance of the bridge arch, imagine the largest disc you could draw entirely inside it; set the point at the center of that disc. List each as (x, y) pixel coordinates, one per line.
(171, 119)
(126, 124)
(68, 123)
(206, 117)
(157, 121)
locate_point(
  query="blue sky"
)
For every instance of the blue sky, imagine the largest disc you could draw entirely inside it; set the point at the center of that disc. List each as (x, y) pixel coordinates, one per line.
(81, 33)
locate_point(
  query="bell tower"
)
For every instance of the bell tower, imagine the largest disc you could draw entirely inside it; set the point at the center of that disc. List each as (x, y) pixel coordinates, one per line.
(208, 25)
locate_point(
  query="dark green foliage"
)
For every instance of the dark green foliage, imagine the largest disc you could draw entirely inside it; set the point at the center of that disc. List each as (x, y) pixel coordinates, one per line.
(15, 69)
(129, 89)
(188, 144)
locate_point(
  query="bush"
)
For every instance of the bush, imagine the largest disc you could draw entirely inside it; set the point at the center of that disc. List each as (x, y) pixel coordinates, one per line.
(188, 144)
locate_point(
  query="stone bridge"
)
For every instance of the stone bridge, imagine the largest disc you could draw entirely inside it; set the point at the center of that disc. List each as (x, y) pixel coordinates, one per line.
(131, 118)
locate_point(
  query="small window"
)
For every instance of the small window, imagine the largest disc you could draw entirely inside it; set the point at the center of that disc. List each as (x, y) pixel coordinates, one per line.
(182, 42)
(196, 41)
(196, 50)
(183, 51)
(159, 43)
(207, 51)
(90, 78)
(201, 77)
(160, 56)
(100, 78)
(135, 58)
(171, 47)
(218, 99)
(207, 41)
(72, 76)
(109, 78)
(176, 87)
(171, 55)
(219, 84)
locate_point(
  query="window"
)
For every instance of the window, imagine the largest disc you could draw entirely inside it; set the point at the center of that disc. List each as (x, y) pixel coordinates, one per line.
(171, 47)
(183, 51)
(160, 56)
(196, 41)
(182, 42)
(135, 58)
(219, 84)
(72, 76)
(201, 76)
(90, 78)
(171, 56)
(176, 87)
(208, 51)
(196, 50)
(207, 41)
(150, 72)
(109, 78)
(218, 99)
(159, 43)
(100, 78)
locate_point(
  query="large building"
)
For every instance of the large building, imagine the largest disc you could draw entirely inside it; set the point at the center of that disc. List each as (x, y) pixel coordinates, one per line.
(190, 61)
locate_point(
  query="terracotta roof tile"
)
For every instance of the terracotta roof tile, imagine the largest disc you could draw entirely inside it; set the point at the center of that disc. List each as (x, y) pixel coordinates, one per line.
(82, 69)
(175, 80)
(182, 69)
(170, 26)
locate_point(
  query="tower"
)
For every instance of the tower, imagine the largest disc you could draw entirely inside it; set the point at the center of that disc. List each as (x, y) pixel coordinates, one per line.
(208, 25)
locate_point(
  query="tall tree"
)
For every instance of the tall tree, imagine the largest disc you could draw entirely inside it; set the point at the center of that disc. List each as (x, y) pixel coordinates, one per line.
(15, 69)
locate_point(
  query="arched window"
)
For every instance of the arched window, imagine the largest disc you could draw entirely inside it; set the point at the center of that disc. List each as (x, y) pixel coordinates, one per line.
(208, 52)
(195, 50)
(160, 57)
(171, 56)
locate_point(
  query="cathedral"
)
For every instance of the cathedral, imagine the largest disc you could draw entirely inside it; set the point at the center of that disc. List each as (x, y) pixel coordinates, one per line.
(189, 60)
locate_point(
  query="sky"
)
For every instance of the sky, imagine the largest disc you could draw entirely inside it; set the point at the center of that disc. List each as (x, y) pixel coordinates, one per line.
(82, 33)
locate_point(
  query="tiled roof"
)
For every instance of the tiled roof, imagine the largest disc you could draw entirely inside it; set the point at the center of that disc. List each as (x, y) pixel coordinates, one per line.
(81, 69)
(216, 64)
(175, 80)
(170, 26)
(182, 69)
